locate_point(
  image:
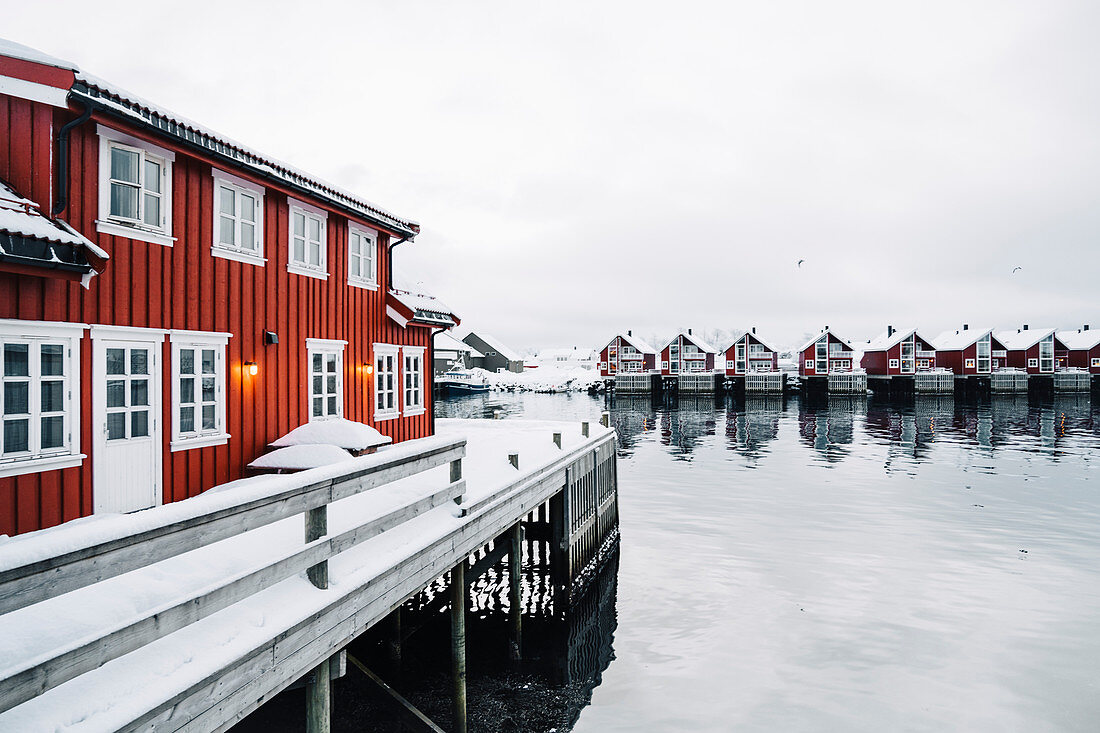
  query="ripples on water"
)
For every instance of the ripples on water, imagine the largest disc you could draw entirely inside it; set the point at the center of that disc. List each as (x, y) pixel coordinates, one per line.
(849, 565)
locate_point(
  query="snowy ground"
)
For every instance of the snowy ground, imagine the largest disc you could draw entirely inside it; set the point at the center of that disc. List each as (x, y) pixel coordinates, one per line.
(548, 378)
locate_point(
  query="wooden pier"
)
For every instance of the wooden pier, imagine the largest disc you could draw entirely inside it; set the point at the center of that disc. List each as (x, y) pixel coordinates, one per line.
(191, 615)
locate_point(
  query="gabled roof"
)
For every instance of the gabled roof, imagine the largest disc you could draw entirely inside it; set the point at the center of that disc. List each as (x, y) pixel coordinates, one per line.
(742, 334)
(703, 345)
(421, 306)
(444, 341)
(1021, 339)
(882, 342)
(642, 346)
(118, 102)
(814, 339)
(30, 239)
(1080, 340)
(958, 340)
(497, 345)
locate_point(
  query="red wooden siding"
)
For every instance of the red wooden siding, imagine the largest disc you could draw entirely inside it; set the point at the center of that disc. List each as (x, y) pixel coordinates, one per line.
(185, 287)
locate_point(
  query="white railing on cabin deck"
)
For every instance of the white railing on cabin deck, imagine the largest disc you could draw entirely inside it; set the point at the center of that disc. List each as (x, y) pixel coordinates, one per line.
(173, 529)
(926, 354)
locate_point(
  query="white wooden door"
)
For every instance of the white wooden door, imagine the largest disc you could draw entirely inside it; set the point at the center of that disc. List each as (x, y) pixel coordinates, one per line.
(126, 401)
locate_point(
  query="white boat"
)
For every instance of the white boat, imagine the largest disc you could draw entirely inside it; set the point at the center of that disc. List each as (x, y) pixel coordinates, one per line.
(462, 383)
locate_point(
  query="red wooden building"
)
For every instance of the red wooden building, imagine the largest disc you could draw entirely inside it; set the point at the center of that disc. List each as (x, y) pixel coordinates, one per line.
(824, 354)
(1084, 348)
(172, 302)
(898, 352)
(970, 351)
(687, 354)
(627, 355)
(1035, 350)
(750, 354)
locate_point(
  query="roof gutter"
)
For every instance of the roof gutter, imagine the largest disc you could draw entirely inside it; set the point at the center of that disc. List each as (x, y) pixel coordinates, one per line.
(62, 202)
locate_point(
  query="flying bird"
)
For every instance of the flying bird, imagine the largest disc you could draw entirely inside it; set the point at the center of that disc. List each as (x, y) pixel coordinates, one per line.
(1014, 269)
(800, 262)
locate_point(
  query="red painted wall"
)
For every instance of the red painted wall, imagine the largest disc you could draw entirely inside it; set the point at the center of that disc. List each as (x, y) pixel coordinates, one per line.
(185, 287)
(730, 355)
(1082, 358)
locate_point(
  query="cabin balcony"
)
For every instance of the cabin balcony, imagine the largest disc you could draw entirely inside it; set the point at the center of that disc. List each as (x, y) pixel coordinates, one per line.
(840, 354)
(926, 354)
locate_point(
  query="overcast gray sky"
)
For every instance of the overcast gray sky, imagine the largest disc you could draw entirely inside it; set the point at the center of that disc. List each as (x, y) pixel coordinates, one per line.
(584, 168)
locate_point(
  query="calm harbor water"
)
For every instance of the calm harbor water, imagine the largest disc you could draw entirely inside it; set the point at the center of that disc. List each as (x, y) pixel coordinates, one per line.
(848, 565)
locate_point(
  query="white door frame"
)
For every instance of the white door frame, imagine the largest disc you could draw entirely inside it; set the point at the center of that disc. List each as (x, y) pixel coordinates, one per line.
(153, 337)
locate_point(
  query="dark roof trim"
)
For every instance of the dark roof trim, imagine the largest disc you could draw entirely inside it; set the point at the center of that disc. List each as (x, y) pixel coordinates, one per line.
(40, 254)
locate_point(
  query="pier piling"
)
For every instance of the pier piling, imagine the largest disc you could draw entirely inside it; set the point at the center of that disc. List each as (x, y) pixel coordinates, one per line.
(319, 700)
(515, 592)
(458, 644)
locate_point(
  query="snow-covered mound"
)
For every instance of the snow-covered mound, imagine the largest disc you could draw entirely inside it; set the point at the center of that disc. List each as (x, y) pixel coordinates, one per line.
(549, 378)
(336, 431)
(300, 457)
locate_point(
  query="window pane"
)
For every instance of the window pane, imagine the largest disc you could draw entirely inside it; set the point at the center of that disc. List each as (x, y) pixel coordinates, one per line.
(139, 392)
(353, 265)
(16, 436)
(139, 361)
(116, 393)
(187, 361)
(17, 398)
(299, 250)
(124, 165)
(152, 176)
(317, 362)
(207, 417)
(225, 201)
(116, 361)
(116, 426)
(314, 229)
(53, 360)
(248, 236)
(207, 389)
(139, 424)
(317, 404)
(314, 253)
(151, 215)
(187, 390)
(124, 201)
(330, 363)
(299, 225)
(331, 386)
(53, 432)
(225, 230)
(53, 396)
(207, 361)
(187, 419)
(248, 208)
(332, 405)
(16, 360)
(317, 384)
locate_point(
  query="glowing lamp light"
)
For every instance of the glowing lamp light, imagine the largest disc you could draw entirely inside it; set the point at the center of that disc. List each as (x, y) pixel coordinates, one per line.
(252, 367)
(369, 369)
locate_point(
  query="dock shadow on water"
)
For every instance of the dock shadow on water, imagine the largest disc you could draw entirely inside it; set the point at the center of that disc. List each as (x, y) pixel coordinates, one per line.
(565, 652)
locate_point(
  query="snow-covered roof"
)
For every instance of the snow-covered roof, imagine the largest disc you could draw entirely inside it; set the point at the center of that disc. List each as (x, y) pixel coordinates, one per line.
(20, 216)
(1080, 340)
(114, 99)
(956, 340)
(335, 431)
(444, 341)
(642, 346)
(1022, 339)
(813, 340)
(742, 334)
(300, 457)
(425, 307)
(703, 345)
(884, 340)
(497, 345)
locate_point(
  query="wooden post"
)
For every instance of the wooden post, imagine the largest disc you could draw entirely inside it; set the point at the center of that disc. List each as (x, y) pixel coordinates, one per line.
(557, 439)
(513, 458)
(559, 556)
(605, 419)
(318, 700)
(395, 638)
(584, 429)
(458, 644)
(515, 592)
(317, 527)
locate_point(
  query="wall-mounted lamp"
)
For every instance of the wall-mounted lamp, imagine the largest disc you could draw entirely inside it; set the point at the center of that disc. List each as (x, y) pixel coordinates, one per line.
(252, 367)
(270, 337)
(369, 369)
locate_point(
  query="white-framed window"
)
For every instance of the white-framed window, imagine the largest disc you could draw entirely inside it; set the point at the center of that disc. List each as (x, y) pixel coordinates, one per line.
(362, 257)
(632, 366)
(755, 349)
(307, 240)
(1033, 363)
(730, 364)
(1095, 362)
(326, 378)
(385, 381)
(894, 363)
(664, 365)
(39, 400)
(413, 379)
(135, 188)
(603, 364)
(198, 389)
(970, 363)
(810, 365)
(238, 219)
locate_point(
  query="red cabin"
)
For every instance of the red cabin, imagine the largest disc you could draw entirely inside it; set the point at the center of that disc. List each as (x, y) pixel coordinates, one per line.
(1035, 350)
(171, 303)
(1084, 349)
(897, 353)
(970, 351)
(687, 354)
(825, 353)
(750, 354)
(627, 355)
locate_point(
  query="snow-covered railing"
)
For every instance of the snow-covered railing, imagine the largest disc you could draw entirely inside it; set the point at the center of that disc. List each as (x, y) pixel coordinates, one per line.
(40, 566)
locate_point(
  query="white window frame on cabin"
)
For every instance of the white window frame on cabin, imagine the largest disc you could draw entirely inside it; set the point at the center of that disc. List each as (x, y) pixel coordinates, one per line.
(386, 383)
(412, 380)
(1033, 363)
(240, 189)
(325, 386)
(197, 435)
(971, 364)
(895, 364)
(1095, 362)
(810, 365)
(634, 366)
(603, 365)
(306, 264)
(135, 228)
(358, 237)
(35, 335)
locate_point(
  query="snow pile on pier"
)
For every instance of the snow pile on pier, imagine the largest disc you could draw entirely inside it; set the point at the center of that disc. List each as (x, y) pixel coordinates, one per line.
(548, 378)
(337, 431)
